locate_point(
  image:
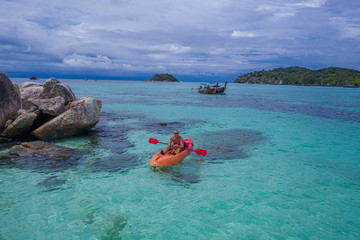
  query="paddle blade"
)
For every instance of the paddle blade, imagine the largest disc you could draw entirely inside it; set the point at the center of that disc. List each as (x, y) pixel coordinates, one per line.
(153, 141)
(201, 152)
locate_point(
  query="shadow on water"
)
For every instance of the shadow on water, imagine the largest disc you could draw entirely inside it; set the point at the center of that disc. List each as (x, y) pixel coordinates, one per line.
(228, 144)
(185, 173)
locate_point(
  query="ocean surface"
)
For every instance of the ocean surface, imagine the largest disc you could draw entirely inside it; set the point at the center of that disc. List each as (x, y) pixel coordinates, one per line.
(283, 162)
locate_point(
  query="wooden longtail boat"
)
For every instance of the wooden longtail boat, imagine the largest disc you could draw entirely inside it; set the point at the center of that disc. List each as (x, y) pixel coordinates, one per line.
(212, 89)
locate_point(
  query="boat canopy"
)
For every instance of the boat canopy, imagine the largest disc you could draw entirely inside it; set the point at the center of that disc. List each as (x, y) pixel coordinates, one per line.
(208, 84)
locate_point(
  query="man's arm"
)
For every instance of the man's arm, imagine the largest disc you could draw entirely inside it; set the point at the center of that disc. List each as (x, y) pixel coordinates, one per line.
(181, 143)
(170, 141)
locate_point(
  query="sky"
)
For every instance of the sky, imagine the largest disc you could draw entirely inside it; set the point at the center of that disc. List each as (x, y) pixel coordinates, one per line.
(190, 39)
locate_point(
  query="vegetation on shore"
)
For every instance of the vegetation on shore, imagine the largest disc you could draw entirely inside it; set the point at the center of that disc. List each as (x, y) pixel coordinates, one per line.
(163, 78)
(332, 76)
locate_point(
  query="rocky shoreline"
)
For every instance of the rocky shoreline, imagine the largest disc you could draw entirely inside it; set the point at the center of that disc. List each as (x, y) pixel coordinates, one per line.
(44, 112)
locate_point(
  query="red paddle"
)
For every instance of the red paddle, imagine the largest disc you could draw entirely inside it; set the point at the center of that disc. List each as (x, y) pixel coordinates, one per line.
(198, 151)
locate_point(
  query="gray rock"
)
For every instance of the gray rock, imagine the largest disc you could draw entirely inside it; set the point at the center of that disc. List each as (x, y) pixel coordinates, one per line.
(10, 100)
(3, 139)
(22, 125)
(81, 115)
(40, 149)
(54, 88)
(8, 122)
(17, 89)
(49, 84)
(31, 90)
(28, 91)
(52, 106)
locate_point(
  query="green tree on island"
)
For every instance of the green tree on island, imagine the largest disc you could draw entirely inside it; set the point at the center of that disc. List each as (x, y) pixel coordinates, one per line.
(164, 78)
(332, 76)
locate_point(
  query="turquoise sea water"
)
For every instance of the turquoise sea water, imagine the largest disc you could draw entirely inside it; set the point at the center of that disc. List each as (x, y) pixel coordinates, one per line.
(282, 163)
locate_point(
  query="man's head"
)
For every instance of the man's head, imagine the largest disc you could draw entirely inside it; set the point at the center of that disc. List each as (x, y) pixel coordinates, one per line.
(176, 133)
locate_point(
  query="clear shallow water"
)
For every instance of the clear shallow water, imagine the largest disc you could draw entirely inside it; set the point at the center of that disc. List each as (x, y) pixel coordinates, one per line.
(282, 163)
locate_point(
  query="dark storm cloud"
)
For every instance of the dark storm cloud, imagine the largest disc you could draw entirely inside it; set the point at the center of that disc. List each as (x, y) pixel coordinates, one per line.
(182, 37)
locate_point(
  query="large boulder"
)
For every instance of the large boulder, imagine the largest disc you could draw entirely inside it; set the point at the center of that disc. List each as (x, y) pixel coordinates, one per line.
(29, 91)
(52, 106)
(53, 88)
(39, 149)
(10, 100)
(20, 126)
(81, 115)
(49, 84)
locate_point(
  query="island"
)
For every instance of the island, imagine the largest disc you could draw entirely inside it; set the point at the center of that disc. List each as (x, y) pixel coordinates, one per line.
(332, 76)
(163, 78)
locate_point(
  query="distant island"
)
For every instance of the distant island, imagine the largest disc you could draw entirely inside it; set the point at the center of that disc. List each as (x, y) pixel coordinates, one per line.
(332, 76)
(163, 78)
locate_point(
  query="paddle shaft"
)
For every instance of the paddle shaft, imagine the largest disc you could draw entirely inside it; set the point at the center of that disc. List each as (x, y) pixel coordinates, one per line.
(184, 148)
(198, 151)
(167, 144)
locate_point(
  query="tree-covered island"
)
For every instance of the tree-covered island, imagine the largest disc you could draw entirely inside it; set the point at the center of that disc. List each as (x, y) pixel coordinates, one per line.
(332, 76)
(163, 78)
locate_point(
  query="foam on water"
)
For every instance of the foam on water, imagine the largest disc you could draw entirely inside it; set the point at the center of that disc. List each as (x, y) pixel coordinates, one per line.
(282, 163)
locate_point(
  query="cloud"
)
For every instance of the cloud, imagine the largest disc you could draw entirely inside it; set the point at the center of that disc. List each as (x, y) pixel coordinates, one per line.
(173, 48)
(102, 62)
(192, 37)
(285, 9)
(241, 34)
(348, 27)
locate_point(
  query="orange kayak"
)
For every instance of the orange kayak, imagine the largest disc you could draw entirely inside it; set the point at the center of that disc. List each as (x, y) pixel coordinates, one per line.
(159, 160)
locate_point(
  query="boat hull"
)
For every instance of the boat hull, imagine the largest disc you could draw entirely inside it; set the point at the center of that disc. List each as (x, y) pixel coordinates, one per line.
(213, 90)
(159, 160)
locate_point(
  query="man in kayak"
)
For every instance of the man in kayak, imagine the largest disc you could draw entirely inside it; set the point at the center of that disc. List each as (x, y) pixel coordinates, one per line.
(176, 143)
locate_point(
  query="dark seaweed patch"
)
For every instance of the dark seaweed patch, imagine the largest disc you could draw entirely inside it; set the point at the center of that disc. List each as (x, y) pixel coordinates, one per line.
(228, 144)
(109, 116)
(112, 227)
(114, 139)
(51, 183)
(167, 128)
(311, 108)
(162, 127)
(42, 163)
(117, 162)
